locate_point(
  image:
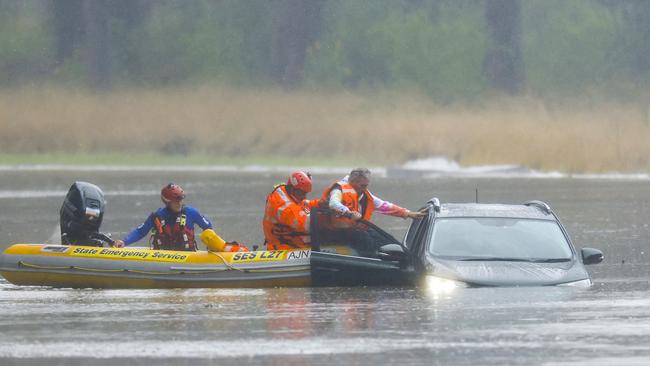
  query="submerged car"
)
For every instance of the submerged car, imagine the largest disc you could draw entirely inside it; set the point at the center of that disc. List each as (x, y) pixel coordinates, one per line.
(470, 245)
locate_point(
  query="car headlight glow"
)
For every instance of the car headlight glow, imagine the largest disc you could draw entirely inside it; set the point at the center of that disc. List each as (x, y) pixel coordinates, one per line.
(439, 285)
(581, 283)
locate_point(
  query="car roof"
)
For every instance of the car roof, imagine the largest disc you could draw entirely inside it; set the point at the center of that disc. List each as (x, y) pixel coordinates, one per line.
(493, 210)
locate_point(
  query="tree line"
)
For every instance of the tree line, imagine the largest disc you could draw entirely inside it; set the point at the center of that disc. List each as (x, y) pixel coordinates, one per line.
(446, 48)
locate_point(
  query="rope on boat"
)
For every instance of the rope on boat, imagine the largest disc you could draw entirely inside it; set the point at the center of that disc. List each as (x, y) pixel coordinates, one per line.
(230, 267)
(223, 260)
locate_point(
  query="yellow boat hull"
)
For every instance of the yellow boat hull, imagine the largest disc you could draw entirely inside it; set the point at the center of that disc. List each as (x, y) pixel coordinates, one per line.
(92, 267)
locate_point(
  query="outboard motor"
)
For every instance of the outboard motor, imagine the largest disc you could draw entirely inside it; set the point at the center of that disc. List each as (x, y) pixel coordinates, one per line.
(81, 215)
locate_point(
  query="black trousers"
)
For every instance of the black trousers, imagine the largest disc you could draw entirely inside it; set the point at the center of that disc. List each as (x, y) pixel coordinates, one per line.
(365, 241)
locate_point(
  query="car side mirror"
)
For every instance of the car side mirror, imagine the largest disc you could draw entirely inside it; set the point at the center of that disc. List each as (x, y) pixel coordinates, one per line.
(591, 256)
(392, 252)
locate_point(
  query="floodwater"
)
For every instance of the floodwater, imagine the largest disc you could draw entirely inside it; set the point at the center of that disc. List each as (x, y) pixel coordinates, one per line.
(604, 325)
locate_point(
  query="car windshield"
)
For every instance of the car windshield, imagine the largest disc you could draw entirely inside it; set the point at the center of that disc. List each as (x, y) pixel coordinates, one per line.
(508, 239)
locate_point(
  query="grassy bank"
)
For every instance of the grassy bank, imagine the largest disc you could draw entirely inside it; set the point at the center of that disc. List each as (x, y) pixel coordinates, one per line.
(156, 159)
(222, 126)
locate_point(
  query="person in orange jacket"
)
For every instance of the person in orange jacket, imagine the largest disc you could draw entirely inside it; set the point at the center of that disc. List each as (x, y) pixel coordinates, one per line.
(286, 217)
(351, 201)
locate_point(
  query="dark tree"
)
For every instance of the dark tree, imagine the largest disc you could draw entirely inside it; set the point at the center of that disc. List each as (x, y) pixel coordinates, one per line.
(130, 16)
(98, 45)
(503, 64)
(637, 15)
(68, 26)
(296, 24)
(640, 16)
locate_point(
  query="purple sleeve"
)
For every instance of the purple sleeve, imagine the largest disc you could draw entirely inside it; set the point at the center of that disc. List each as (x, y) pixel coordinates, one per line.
(388, 208)
(139, 232)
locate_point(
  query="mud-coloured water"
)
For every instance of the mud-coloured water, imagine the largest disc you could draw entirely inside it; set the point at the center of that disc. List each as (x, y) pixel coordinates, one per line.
(607, 324)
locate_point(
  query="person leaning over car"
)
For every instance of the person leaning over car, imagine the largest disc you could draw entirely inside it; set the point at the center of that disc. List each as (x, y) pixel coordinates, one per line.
(351, 200)
(172, 226)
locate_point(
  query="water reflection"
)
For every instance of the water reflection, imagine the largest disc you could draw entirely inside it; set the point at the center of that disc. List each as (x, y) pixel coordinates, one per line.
(288, 313)
(608, 323)
(298, 326)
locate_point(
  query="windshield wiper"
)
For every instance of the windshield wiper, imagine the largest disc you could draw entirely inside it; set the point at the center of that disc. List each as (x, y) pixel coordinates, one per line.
(495, 259)
(506, 259)
(550, 260)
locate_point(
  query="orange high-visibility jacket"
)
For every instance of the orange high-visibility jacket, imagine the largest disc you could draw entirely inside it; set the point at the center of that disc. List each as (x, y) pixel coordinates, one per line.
(350, 199)
(286, 220)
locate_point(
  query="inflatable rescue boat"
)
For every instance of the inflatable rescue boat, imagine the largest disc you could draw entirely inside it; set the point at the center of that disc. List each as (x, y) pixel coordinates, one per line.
(97, 267)
(87, 259)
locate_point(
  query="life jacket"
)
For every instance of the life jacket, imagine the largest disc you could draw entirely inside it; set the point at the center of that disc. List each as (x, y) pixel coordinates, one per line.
(286, 232)
(172, 236)
(350, 199)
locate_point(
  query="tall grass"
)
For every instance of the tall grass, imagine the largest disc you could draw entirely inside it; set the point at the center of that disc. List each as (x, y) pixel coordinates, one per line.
(379, 128)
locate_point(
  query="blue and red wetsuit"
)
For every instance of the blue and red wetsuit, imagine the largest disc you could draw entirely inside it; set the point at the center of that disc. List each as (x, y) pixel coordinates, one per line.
(171, 231)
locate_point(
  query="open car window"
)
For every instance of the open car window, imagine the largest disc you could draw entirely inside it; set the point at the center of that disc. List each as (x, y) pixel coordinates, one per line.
(414, 232)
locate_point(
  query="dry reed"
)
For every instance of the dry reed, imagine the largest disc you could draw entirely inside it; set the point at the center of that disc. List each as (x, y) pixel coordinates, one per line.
(382, 128)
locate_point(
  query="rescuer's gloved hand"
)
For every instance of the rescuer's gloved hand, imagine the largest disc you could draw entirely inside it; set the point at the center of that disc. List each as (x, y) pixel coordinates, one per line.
(352, 215)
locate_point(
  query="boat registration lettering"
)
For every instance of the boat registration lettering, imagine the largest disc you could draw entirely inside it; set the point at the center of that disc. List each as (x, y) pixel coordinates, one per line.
(299, 254)
(269, 255)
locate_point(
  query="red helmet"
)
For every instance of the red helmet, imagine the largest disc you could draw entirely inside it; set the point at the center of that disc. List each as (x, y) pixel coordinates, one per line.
(300, 180)
(172, 192)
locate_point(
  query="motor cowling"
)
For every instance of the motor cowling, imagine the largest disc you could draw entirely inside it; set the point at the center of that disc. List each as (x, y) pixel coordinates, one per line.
(81, 215)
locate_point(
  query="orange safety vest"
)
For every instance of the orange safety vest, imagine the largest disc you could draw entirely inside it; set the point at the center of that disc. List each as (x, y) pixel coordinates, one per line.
(286, 221)
(350, 199)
